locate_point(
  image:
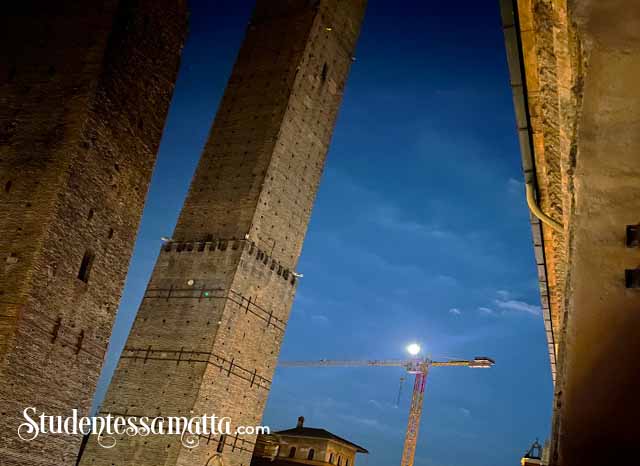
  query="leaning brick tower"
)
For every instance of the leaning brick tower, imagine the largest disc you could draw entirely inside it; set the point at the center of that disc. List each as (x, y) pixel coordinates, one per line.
(208, 332)
(84, 92)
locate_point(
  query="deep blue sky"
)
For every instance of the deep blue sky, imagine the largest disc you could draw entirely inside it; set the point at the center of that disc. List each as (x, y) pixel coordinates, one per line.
(420, 232)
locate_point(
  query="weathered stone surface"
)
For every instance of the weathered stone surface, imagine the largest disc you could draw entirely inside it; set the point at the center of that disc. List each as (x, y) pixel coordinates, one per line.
(590, 131)
(85, 91)
(552, 63)
(596, 420)
(207, 335)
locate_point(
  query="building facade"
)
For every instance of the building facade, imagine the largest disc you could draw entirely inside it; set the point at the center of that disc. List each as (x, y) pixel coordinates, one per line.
(85, 92)
(574, 67)
(208, 332)
(304, 445)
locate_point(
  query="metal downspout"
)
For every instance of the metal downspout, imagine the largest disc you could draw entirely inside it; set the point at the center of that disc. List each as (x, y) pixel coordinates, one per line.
(537, 211)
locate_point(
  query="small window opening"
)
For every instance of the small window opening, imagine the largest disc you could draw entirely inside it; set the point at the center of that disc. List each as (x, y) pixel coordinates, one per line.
(292, 452)
(311, 453)
(110, 235)
(331, 458)
(346, 462)
(339, 460)
(7, 186)
(325, 71)
(90, 216)
(85, 266)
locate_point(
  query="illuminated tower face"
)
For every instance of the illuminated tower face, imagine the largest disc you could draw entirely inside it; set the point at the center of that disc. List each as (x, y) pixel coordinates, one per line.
(85, 91)
(208, 332)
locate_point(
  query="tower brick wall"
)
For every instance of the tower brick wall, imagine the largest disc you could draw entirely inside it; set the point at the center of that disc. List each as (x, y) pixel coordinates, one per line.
(208, 332)
(85, 89)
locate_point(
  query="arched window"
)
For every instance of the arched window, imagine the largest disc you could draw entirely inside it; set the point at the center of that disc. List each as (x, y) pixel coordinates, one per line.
(292, 452)
(339, 460)
(331, 458)
(346, 462)
(311, 453)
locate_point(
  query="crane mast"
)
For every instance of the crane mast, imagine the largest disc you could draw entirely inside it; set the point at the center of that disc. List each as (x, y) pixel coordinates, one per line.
(419, 367)
(413, 424)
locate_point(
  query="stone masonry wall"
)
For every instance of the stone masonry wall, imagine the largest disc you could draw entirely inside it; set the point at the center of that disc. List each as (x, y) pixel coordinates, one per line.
(553, 63)
(85, 91)
(207, 336)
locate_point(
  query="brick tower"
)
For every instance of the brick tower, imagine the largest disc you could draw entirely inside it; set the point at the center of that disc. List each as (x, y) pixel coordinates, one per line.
(208, 332)
(84, 95)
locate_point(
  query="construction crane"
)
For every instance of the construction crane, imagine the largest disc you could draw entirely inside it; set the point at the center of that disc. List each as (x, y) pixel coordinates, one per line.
(418, 366)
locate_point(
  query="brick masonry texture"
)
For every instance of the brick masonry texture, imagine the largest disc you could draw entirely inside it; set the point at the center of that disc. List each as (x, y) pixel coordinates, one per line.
(84, 95)
(207, 335)
(553, 66)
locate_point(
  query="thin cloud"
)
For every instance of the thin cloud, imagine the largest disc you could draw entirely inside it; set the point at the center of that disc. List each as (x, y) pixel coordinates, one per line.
(391, 217)
(387, 214)
(455, 311)
(376, 403)
(378, 210)
(329, 403)
(369, 259)
(319, 319)
(517, 306)
(365, 422)
(486, 311)
(380, 405)
(446, 280)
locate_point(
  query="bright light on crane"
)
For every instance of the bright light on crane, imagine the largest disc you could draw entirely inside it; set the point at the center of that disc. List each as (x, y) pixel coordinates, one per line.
(413, 349)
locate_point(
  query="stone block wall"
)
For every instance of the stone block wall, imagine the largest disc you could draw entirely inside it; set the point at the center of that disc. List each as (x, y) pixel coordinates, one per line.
(207, 336)
(85, 91)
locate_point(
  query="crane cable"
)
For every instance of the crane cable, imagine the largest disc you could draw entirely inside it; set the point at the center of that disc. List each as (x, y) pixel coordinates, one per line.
(402, 379)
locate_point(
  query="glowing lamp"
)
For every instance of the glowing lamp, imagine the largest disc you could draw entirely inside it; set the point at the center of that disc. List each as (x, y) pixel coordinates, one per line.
(413, 349)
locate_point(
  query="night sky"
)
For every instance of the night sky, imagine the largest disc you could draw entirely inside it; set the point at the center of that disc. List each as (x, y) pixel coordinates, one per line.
(419, 233)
